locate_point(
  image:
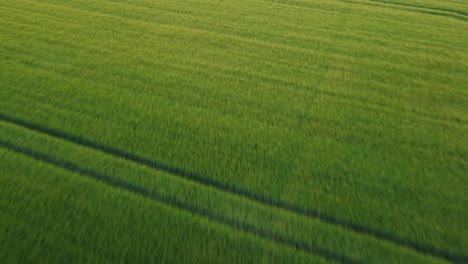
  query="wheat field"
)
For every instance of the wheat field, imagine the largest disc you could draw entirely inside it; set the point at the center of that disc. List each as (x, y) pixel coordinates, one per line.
(261, 131)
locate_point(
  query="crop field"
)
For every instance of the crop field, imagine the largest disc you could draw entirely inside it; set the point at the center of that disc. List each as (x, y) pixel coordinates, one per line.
(242, 131)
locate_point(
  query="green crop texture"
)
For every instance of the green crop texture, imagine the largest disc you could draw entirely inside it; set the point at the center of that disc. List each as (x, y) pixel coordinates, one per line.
(242, 131)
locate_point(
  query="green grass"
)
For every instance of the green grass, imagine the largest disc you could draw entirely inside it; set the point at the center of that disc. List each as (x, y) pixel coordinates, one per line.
(54, 220)
(260, 131)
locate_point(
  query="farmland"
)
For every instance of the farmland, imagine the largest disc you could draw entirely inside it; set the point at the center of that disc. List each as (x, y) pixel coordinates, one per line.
(272, 131)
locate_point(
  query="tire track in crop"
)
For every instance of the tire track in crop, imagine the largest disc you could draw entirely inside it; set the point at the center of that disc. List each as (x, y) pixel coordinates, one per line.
(192, 176)
(238, 225)
(412, 8)
(461, 16)
(439, 9)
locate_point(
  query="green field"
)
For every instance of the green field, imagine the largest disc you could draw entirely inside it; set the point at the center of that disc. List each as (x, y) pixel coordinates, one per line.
(242, 131)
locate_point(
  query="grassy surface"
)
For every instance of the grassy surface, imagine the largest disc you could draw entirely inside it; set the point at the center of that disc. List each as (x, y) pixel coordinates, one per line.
(57, 214)
(292, 130)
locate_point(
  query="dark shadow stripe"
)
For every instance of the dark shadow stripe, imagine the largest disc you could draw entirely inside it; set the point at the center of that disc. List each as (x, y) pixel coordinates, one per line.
(429, 8)
(411, 8)
(167, 200)
(346, 224)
